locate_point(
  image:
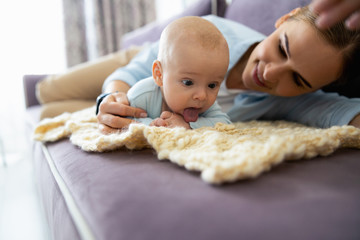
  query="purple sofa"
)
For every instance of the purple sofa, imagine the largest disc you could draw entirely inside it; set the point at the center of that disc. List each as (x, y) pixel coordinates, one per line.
(131, 195)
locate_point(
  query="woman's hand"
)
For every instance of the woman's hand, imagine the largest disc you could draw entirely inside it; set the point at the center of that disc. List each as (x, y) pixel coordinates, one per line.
(113, 111)
(333, 11)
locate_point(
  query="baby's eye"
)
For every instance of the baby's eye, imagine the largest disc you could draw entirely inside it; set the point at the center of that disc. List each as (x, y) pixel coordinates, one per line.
(187, 82)
(212, 85)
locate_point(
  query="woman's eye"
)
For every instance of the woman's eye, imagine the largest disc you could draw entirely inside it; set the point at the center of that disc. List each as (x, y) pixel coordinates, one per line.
(212, 85)
(297, 81)
(187, 82)
(281, 49)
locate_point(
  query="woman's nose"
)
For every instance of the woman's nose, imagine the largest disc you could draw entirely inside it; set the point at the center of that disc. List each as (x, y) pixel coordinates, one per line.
(274, 71)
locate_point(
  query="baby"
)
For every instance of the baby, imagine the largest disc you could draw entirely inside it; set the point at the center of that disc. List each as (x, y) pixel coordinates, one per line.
(192, 62)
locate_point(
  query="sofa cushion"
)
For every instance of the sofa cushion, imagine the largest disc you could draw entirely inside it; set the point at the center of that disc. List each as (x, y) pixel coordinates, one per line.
(259, 14)
(79, 86)
(83, 81)
(53, 109)
(152, 31)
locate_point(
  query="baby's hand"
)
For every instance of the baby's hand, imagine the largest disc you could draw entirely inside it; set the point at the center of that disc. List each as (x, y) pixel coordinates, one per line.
(174, 120)
(169, 119)
(159, 122)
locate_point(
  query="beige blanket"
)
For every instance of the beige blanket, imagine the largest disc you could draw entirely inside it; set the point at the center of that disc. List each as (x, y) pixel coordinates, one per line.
(225, 153)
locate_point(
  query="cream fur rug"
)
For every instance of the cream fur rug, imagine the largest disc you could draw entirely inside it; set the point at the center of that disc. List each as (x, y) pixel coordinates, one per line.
(225, 153)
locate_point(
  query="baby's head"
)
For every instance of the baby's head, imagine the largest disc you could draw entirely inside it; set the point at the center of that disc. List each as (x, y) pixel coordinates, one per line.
(192, 63)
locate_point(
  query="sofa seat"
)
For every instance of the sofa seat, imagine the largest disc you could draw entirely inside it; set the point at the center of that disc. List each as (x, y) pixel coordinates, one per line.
(132, 195)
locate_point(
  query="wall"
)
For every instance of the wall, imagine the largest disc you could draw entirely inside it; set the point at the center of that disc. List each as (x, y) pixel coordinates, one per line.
(31, 42)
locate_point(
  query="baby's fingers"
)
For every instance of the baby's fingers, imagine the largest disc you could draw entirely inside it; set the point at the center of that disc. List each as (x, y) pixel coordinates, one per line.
(166, 115)
(159, 122)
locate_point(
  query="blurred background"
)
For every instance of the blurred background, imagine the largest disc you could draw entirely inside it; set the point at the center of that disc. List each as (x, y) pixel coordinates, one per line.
(34, 41)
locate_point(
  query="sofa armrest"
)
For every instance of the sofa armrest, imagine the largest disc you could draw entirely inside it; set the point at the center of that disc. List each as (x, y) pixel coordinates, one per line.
(29, 83)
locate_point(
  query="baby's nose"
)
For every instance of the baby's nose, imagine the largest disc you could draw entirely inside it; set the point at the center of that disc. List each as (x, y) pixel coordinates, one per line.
(200, 94)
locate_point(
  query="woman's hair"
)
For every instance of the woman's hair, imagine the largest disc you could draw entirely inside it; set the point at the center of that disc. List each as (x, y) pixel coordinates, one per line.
(347, 41)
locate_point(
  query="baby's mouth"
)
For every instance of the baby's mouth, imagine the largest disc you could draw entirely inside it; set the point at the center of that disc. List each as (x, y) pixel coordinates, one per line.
(191, 114)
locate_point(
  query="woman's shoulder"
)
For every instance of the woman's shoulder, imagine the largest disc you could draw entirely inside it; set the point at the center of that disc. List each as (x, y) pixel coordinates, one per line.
(226, 25)
(238, 36)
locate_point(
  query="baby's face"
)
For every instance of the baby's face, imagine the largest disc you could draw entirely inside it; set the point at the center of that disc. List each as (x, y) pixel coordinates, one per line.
(293, 60)
(191, 79)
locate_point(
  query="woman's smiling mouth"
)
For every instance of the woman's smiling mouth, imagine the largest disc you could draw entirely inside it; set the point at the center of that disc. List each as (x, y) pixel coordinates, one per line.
(258, 79)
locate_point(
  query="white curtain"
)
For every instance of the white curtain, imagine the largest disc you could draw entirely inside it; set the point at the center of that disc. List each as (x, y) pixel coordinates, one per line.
(95, 27)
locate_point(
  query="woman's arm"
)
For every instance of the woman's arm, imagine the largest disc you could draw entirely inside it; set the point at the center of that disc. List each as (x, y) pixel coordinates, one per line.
(323, 110)
(356, 121)
(140, 67)
(316, 109)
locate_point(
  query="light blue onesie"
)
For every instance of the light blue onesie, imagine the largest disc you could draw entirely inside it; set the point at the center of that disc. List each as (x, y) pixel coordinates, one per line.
(147, 95)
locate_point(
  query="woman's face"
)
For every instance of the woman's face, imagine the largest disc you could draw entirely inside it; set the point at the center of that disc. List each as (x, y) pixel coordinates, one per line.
(292, 61)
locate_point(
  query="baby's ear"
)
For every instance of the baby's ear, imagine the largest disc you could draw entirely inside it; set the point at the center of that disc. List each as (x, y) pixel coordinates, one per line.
(286, 17)
(157, 72)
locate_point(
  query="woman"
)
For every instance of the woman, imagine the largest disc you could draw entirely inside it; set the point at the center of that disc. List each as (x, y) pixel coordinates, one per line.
(269, 78)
